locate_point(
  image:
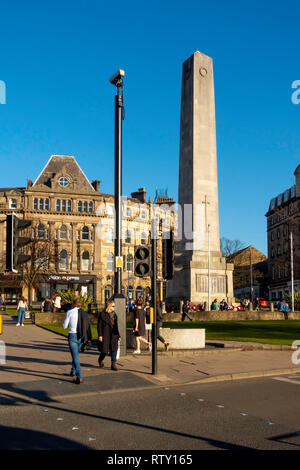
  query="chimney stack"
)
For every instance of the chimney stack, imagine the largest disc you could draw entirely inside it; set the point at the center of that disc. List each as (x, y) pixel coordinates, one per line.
(96, 185)
(140, 195)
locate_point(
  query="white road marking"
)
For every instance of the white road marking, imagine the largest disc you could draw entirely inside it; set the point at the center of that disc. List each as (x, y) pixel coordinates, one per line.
(284, 379)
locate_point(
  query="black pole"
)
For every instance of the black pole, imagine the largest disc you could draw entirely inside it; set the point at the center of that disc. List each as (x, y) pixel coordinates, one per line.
(118, 187)
(154, 295)
(251, 277)
(120, 301)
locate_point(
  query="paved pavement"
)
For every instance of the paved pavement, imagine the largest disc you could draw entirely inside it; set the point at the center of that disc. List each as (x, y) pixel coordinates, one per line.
(38, 362)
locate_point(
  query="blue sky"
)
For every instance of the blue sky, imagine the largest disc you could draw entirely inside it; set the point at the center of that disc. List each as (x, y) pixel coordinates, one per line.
(56, 58)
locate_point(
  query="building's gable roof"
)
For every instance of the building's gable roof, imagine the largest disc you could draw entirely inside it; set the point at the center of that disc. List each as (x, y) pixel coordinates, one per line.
(239, 256)
(63, 165)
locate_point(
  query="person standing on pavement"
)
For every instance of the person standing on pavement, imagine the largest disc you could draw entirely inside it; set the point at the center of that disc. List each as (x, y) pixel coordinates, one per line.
(159, 324)
(108, 334)
(139, 326)
(47, 305)
(56, 303)
(185, 311)
(22, 307)
(78, 322)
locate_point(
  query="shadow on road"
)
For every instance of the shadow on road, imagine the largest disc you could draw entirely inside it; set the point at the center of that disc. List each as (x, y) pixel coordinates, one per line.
(26, 439)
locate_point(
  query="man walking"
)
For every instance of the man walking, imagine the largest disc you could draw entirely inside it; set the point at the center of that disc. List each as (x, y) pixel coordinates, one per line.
(186, 310)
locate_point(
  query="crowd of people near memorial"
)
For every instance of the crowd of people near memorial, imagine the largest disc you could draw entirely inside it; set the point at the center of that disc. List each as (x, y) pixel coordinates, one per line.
(109, 339)
(79, 329)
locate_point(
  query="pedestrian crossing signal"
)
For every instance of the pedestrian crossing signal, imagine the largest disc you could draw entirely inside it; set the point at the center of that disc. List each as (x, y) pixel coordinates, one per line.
(142, 261)
(168, 255)
(15, 242)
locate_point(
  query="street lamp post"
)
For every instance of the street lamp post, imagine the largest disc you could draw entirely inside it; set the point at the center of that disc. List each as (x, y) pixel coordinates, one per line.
(292, 271)
(209, 290)
(120, 301)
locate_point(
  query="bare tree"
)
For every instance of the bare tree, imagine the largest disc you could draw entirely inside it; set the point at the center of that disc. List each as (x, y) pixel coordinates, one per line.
(43, 255)
(230, 247)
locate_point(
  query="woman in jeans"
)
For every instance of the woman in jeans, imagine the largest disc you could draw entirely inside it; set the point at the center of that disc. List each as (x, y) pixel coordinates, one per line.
(22, 306)
(77, 321)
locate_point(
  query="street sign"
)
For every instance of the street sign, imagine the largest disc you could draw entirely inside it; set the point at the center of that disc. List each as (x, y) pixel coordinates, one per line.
(119, 262)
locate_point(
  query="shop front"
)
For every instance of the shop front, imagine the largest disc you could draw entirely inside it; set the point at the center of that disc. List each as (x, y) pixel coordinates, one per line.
(51, 283)
(10, 288)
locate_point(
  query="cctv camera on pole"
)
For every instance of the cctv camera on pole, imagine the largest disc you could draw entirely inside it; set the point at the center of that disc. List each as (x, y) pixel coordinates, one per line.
(120, 300)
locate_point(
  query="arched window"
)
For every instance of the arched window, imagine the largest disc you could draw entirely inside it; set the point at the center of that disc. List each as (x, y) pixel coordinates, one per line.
(63, 232)
(85, 261)
(91, 206)
(139, 292)
(63, 260)
(109, 235)
(107, 292)
(143, 238)
(63, 205)
(85, 206)
(148, 291)
(79, 206)
(109, 262)
(13, 204)
(130, 263)
(130, 292)
(41, 204)
(128, 236)
(41, 231)
(85, 233)
(110, 210)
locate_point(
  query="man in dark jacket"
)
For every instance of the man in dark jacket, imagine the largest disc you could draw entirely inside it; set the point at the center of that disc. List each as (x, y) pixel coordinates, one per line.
(109, 336)
(185, 311)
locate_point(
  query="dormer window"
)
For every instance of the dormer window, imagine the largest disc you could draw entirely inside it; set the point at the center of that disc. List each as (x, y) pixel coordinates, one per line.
(63, 181)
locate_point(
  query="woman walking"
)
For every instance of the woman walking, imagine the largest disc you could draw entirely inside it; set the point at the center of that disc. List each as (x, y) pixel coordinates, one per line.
(108, 334)
(77, 321)
(159, 324)
(139, 327)
(22, 306)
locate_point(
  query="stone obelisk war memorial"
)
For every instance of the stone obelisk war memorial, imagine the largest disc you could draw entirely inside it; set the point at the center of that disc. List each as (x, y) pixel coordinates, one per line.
(198, 251)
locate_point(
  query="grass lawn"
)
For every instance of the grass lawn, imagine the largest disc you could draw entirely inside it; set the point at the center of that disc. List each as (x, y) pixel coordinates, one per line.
(281, 332)
(10, 311)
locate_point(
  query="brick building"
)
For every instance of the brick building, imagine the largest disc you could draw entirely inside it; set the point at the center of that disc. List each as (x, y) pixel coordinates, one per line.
(78, 222)
(243, 260)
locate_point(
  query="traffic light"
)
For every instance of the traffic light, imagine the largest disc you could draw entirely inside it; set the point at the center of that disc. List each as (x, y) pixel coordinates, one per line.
(14, 242)
(168, 256)
(142, 261)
